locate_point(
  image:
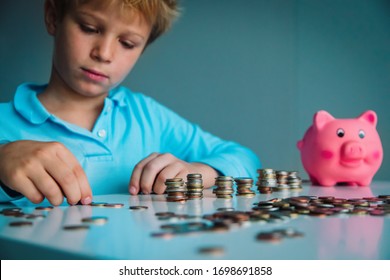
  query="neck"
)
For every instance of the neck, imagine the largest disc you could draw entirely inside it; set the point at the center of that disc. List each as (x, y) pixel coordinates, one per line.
(70, 106)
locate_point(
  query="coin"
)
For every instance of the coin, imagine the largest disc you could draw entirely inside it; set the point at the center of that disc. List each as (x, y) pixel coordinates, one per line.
(96, 220)
(11, 210)
(76, 227)
(212, 250)
(44, 208)
(271, 237)
(12, 213)
(20, 224)
(225, 209)
(165, 235)
(98, 204)
(138, 207)
(114, 205)
(35, 216)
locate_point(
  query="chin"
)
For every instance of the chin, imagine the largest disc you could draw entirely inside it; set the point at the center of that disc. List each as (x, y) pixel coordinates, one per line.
(92, 91)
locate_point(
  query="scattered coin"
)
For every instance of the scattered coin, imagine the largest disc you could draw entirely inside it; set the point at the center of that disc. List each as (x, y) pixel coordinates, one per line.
(113, 205)
(20, 224)
(276, 236)
(11, 213)
(212, 250)
(35, 216)
(10, 210)
(165, 215)
(76, 227)
(165, 235)
(44, 208)
(271, 237)
(96, 220)
(225, 209)
(98, 204)
(138, 207)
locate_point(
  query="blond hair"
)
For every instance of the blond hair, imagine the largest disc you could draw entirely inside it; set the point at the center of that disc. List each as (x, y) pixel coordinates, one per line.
(158, 13)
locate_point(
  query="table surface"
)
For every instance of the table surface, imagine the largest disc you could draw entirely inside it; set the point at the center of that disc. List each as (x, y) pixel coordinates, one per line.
(128, 233)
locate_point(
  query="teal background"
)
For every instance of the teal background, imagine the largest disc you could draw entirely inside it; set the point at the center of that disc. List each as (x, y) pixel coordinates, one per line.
(252, 71)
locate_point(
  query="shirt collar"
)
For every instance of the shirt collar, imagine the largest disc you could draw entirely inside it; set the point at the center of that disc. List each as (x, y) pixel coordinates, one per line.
(28, 105)
(117, 95)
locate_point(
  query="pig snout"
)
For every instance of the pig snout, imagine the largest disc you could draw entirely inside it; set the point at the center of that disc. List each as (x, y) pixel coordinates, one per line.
(351, 151)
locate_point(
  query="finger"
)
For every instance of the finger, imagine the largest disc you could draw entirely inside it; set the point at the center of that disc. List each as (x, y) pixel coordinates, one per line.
(152, 169)
(134, 185)
(66, 179)
(175, 170)
(47, 186)
(27, 188)
(71, 161)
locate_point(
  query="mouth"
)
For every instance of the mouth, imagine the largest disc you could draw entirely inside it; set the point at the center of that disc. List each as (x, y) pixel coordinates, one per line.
(351, 162)
(94, 75)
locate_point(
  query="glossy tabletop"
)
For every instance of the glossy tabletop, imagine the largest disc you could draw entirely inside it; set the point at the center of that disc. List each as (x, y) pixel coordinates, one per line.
(128, 234)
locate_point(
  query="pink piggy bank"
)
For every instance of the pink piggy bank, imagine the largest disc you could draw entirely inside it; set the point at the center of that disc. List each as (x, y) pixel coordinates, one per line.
(341, 150)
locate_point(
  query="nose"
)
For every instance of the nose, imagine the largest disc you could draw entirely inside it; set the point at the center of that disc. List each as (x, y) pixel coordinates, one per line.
(353, 150)
(103, 50)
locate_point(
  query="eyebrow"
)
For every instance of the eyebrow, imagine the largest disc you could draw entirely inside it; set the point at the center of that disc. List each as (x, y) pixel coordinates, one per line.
(102, 19)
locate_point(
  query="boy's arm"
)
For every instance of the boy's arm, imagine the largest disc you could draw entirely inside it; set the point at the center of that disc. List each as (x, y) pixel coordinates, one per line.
(191, 143)
(186, 148)
(6, 194)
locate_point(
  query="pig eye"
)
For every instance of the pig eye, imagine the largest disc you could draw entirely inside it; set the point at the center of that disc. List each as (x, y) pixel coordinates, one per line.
(362, 134)
(340, 132)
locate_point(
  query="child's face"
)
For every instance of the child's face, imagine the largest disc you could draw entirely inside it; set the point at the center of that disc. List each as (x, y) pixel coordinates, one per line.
(96, 48)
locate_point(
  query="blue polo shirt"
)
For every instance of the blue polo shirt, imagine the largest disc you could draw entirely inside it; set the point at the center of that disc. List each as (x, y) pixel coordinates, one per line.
(130, 127)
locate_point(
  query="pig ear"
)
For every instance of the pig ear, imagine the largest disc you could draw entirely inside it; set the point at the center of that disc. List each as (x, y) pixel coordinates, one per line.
(321, 118)
(369, 116)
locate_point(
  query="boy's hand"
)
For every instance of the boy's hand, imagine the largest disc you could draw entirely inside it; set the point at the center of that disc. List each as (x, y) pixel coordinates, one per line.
(151, 172)
(43, 169)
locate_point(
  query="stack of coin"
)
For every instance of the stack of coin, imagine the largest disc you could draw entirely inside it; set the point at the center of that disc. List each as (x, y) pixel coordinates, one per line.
(176, 189)
(294, 181)
(224, 187)
(194, 186)
(244, 186)
(281, 180)
(266, 180)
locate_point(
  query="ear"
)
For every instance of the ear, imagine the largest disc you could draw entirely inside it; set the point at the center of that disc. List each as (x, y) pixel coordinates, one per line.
(300, 145)
(50, 17)
(369, 116)
(321, 118)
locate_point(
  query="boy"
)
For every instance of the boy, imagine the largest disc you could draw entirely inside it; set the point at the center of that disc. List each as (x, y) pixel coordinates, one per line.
(82, 133)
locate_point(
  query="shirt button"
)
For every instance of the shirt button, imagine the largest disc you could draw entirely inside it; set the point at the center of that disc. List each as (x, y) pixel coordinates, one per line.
(102, 133)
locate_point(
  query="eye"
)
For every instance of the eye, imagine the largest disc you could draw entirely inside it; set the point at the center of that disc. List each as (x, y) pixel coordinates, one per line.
(362, 134)
(127, 45)
(88, 29)
(340, 132)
